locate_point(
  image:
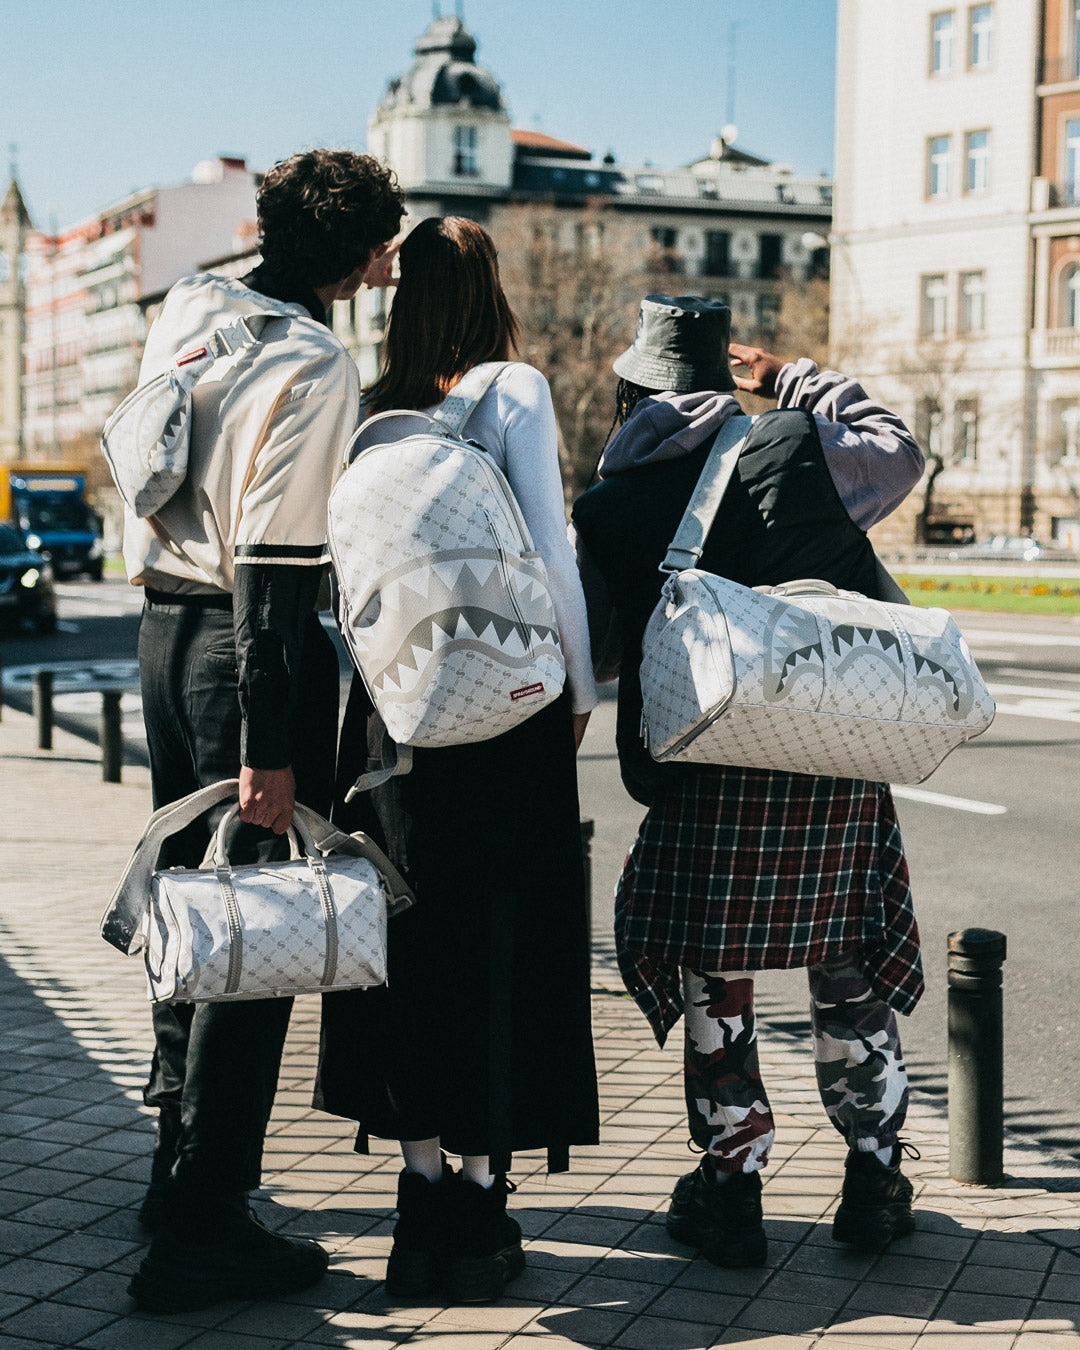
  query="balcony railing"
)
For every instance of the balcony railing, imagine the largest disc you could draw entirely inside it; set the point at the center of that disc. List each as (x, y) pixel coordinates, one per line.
(1058, 70)
(1056, 344)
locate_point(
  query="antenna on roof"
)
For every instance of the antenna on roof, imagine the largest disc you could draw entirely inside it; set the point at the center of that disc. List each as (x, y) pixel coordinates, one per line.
(13, 159)
(731, 72)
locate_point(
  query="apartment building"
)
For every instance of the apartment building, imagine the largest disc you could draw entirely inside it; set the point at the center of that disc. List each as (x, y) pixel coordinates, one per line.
(87, 288)
(14, 226)
(729, 224)
(958, 134)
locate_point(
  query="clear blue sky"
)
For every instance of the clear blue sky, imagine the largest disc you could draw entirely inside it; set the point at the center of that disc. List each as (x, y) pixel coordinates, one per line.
(104, 96)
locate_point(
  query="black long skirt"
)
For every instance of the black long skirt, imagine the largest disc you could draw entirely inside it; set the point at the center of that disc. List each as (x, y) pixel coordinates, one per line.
(482, 1035)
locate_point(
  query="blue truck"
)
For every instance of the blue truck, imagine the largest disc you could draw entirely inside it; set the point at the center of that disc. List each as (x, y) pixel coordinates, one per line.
(47, 503)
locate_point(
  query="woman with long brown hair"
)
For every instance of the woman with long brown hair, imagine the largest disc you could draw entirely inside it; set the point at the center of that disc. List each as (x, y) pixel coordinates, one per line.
(480, 1043)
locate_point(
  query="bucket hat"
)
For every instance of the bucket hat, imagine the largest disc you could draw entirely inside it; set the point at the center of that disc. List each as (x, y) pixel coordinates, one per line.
(681, 344)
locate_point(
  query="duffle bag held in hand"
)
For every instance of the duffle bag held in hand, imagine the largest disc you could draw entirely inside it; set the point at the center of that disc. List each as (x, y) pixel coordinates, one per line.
(312, 924)
(446, 606)
(802, 678)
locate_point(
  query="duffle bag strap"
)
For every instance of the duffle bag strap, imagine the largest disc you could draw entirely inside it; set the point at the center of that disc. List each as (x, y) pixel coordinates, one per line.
(121, 921)
(688, 545)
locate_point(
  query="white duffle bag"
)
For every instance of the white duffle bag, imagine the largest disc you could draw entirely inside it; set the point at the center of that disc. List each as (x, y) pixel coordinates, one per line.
(445, 603)
(802, 678)
(312, 924)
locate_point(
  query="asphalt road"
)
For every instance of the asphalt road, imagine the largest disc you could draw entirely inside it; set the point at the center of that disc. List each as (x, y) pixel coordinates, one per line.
(1001, 851)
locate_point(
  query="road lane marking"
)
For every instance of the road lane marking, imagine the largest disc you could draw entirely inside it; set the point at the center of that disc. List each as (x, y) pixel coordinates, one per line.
(1046, 710)
(1009, 638)
(1032, 690)
(913, 794)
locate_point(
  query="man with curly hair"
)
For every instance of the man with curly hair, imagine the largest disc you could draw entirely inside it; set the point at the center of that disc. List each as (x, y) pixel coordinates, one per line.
(239, 679)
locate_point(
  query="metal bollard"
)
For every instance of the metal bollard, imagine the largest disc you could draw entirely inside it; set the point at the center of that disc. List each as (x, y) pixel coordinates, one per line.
(588, 829)
(112, 741)
(43, 708)
(976, 1056)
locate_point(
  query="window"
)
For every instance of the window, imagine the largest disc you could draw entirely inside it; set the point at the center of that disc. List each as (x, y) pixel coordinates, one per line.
(1072, 161)
(972, 302)
(1076, 39)
(1065, 430)
(938, 156)
(666, 239)
(941, 43)
(717, 253)
(928, 424)
(770, 248)
(977, 161)
(768, 313)
(650, 184)
(980, 35)
(935, 296)
(465, 165)
(1070, 296)
(708, 187)
(966, 429)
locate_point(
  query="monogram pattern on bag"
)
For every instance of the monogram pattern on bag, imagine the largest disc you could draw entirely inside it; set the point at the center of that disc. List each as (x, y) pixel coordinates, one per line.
(841, 686)
(284, 939)
(464, 617)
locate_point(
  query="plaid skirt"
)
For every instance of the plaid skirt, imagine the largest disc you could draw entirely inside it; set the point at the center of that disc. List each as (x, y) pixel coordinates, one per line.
(747, 869)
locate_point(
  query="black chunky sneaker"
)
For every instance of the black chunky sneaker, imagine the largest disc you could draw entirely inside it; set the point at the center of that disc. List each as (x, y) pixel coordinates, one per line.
(875, 1204)
(214, 1250)
(418, 1257)
(483, 1242)
(723, 1221)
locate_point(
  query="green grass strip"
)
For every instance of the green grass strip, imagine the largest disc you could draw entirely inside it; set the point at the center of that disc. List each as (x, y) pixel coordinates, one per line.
(1012, 595)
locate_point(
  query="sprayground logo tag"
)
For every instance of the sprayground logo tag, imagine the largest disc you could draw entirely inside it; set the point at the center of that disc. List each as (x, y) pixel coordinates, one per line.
(188, 357)
(526, 690)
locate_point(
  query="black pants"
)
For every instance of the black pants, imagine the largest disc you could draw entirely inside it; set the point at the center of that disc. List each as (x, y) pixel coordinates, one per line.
(217, 1063)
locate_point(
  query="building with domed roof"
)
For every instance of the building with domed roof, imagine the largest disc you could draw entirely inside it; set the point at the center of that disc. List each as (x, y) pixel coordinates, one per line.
(729, 224)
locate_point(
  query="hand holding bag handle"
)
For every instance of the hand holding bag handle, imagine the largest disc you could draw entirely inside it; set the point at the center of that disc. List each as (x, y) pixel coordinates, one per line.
(123, 917)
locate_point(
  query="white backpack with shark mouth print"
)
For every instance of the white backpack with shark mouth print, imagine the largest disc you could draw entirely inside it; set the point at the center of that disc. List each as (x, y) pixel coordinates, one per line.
(802, 678)
(446, 608)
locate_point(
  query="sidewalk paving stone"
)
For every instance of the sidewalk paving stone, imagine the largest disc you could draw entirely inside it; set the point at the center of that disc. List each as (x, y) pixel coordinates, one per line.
(985, 1269)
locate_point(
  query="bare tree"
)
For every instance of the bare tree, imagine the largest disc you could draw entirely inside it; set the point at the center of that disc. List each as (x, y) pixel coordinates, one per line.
(575, 282)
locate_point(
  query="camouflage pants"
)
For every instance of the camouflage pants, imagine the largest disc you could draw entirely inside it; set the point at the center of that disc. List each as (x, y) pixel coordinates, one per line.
(857, 1056)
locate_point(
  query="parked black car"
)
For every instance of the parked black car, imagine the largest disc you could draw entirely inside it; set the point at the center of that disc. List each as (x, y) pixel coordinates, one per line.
(26, 584)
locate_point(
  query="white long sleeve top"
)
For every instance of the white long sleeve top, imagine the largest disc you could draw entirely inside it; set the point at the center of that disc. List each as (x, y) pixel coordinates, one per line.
(515, 423)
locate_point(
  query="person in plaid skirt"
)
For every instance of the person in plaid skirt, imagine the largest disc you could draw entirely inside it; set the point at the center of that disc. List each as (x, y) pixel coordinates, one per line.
(736, 870)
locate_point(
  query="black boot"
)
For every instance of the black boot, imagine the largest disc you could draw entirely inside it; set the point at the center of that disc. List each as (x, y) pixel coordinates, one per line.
(483, 1242)
(166, 1139)
(417, 1259)
(211, 1247)
(875, 1204)
(722, 1220)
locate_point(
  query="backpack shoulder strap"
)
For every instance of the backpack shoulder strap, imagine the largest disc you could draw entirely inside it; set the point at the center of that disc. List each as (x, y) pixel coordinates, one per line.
(686, 548)
(458, 406)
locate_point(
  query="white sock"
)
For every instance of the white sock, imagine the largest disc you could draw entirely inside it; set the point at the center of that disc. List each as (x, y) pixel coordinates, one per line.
(423, 1156)
(884, 1155)
(477, 1167)
(719, 1177)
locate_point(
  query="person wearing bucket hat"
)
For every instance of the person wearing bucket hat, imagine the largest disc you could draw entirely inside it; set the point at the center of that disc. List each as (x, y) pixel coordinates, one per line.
(736, 870)
(681, 344)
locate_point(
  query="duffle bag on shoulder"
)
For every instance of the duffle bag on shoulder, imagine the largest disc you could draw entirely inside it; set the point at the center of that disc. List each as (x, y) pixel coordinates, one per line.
(145, 441)
(309, 925)
(803, 677)
(445, 603)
